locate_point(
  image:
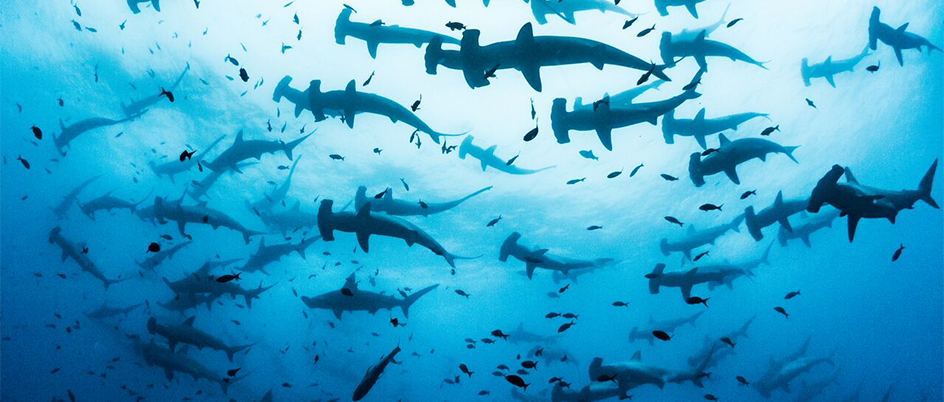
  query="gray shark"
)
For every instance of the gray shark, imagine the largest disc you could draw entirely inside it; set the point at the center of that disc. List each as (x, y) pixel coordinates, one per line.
(277, 195)
(730, 154)
(181, 303)
(140, 106)
(566, 9)
(694, 239)
(733, 271)
(781, 378)
(107, 202)
(662, 6)
(521, 335)
(347, 103)
(604, 119)
(63, 206)
(527, 54)
(133, 4)
(107, 312)
(904, 199)
(898, 38)
(364, 224)
(373, 374)
(686, 280)
(376, 33)
(243, 149)
(339, 301)
(165, 254)
(669, 326)
(850, 200)
(621, 100)
(700, 127)
(780, 212)
(534, 259)
(673, 49)
(266, 255)
(714, 350)
(186, 333)
(551, 355)
(804, 230)
(810, 391)
(387, 204)
(691, 34)
(596, 391)
(776, 365)
(829, 68)
(175, 167)
(697, 373)
(198, 283)
(488, 159)
(70, 133)
(75, 252)
(629, 374)
(289, 220)
(197, 214)
(179, 362)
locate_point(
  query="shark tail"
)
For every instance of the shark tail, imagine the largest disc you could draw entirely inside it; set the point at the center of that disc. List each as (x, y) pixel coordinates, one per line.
(280, 89)
(632, 334)
(659, 71)
(434, 54)
(507, 246)
(874, 21)
(789, 152)
(156, 4)
(254, 294)
(924, 187)
(233, 350)
(764, 258)
(409, 300)
(288, 147)
(463, 199)
(109, 282)
(656, 279)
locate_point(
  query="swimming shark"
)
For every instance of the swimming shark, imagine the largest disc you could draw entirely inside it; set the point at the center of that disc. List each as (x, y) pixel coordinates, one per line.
(780, 211)
(804, 230)
(673, 49)
(521, 335)
(689, 34)
(733, 271)
(781, 378)
(714, 350)
(181, 303)
(106, 312)
(347, 103)
(70, 133)
(697, 373)
(365, 223)
(70, 198)
(604, 119)
(277, 195)
(165, 254)
(289, 220)
(829, 68)
(810, 391)
(488, 159)
(266, 255)
(186, 333)
(596, 391)
(197, 214)
(376, 33)
(373, 374)
(175, 167)
(141, 106)
(551, 355)
(696, 238)
(850, 200)
(243, 149)
(669, 326)
(903, 199)
(203, 283)
(387, 204)
(662, 6)
(628, 374)
(898, 38)
(133, 4)
(701, 127)
(107, 202)
(179, 362)
(730, 154)
(339, 301)
(75, 252)
(566, 9)
(527, 54)
(621, 100)
(658, 278)
(534, 259)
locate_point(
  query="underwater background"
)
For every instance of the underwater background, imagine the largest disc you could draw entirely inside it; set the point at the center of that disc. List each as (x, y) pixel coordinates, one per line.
(879, 322)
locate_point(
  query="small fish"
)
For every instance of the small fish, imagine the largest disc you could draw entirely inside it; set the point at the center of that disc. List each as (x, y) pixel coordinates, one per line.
(873, 68)
(552, 315)
(672, 219)
(734, 21)
(122, 25)
(742, 380)
(691, 85)
(380, 194)
(228, 278)
(347, 292)
(462, 293)
(770, 130)
(61, 102)
(455, 26)
(512, 160)
(499, 334)
(589, 154)
(77, 26)
(645, 77)
(711, 397)
(529, 364)
(25, 162)
(709, 151)
(336, 157)
(748, 194)
(575, 181)
(613, 175)
(232, 373)
(669, 177)
(710, 207)
(782, 311)
(635, 170)
(811, 104)
(895, 256)
(661, 335)
(465, 369)
(517, 381)
(728, 341)
(699, 256)
(367, 81)
(594, 227)
(629, 23)
(285, 47)
(243, 74)
(186, 155)
(196, 3)
(490, 73)
(531, 134)
(153, 248)
(395, 322)
(416, 104)
(533, 112)
(565, 326)
(697, 300)
(620, 304)
(295, 19)
(791, 295)
(564, 289)
(232, 60)
(646, 31)
(493, 222)
(423, 204)
(299, 37)
(405, 186)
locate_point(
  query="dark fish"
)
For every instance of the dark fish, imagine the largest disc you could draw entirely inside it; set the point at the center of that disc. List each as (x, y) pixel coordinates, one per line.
(791, 295)
(61, 102)
(227, 278)
(669, 177)
(406, 186)
(243, 74)
(168, 94)
(710, 207)
(295, 19)
(605, 378)
(620, 304)
(378, 151)
(594, 227)
(564, 289)
(465, 369)
(186, 155)
(529, 364)
(78, 11)
(416, 104)
(645, 76)
(575, 181)
(895, 256)
(748, 194)
(347, 292)
(728, 341)
(646, 31)
(570, 316)
(742, 380)
(499, 334)
(232, 60)
(734, 21)
(613, 175)
(629, 23)
(395, 322)
(769, 130)
(367, 81)
(782, 311)
(336, 157)
(711, 397)
(533, 112)
(512, 160)
(552, 315)
(709, 151)
(661, 335)
(697, 300)
(37, 132)
(699, 256)
(531, 134)
(517, 381)
(588, 154)
(455, 26)
(380, 194)
(672, 219)
(810, 103)
(77, 28)
(493, 222)
(565, 327)
(153, 248)
(232, 373)
(635, 170)
(873, 68)
(462, 293)
(122, 25)
(25, 162)
(490, 73)
(423, 205)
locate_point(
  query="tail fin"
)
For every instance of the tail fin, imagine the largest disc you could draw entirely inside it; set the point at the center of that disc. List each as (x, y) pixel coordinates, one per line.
(558, 123)
(668, 121)
(873, 27)
(109, 282)
(763, 258)
(291, 145)
(924, 187)
(508, 245)
(656, 280)
(281, 88)
(434, 54)
(231, 351)
(254, 294)
(156, 4)
(409, 300)
(789, 152)
(632, 334)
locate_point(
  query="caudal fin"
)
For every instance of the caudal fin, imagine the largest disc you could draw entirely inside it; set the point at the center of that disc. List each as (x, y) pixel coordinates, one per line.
(254, 294)
(924, 187)
(232, 351)
(409, 300)
(288, 147)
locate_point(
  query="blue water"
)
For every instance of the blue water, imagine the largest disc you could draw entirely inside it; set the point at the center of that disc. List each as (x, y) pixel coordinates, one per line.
(881, 321)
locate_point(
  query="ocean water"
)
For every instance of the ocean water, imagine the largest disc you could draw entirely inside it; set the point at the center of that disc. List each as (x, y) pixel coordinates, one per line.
(874, 326)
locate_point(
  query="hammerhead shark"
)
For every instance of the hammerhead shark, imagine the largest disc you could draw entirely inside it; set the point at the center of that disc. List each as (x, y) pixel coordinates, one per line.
(75, 252)
(391, 206)
(243, 149)
(288, 220)
(165, 254)
(70, 198)
(140, 106)
(527, 54)
(804, 230)
(714, 350)
(673, 49)
(175, 167)
(534, 259)
(898, 38)
(780, 211)
(701, 127)
(202, 282)
(277, 195)
(730, 154)
(488, 159)
(850, 200)
(668, 326)
(266, 255)
(350, 299)
(689, 34)
(108, 202)
(662, 6)
(70, 133)
(106, 311)
(377, 32)
(621, 100)
(186, 333)
(688, 279)
(197, 214)
(629, 374)
(133, 4)
(829, 68)
(697, 238)
(180, 362)
(566, 9)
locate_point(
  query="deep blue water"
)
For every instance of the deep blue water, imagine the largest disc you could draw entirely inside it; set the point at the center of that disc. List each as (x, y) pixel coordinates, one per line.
(879, 321)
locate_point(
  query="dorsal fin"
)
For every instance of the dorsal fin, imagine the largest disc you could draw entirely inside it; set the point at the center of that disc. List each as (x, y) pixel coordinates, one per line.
(691, 228)
(364, 212)
(850, 178)
(779, 201)
(351, 87)
(902, 28)
(692, 271)
(350, 282)
(190, 320)
(700, 117)
(62, 125)
(724, 140)
(388, 195)
(829, 60)
(491, 149)
(525, 36)
(701, 36)
(637, 356)
(239, 136)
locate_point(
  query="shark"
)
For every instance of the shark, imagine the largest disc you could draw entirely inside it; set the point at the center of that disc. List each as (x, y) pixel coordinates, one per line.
(620, 100)
(289, 220)
(186, 333)
(540, 258)
(780, 211)
(179, 362)
(141, 105)
(829, 68)
(781, 378)
(898, 38)
(697, 373)
(108, 202)
(668, 326)
(808, 227)
(488, 159)
(157, 258)
(566, 10)
(277, 195)
(62, 208)
(243, 149)
(673, 49)
(701, 127)
(75, 252)
(690, 34)
(71, 132)
(520, 336)
(135, 8)
(810, 391)
(628, 374)
(376, 33)
(106, 311)
(174, 167)
(203, 283)
(387, 204)
(373, 374)
(662, 6)
(200, 214)
(350, 299)
(730, 154)
(714, 350)
(850, 200)
(900, 199)
(686, 280)
(266, 255)
(694, 238)
(596, 391)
